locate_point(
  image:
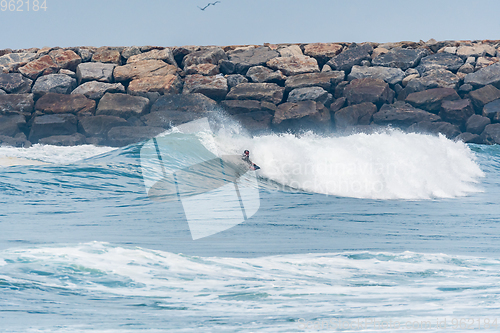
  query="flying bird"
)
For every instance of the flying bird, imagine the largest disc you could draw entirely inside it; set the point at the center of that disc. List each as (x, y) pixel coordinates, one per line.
(210, 3)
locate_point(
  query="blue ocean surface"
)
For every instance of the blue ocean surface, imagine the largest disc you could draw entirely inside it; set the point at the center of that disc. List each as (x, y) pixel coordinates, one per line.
(385, 232)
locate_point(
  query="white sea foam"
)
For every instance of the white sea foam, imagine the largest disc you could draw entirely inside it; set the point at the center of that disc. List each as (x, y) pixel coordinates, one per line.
(386, 165)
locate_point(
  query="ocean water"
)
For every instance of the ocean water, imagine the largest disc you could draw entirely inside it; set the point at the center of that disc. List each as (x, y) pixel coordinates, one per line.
(385, 232)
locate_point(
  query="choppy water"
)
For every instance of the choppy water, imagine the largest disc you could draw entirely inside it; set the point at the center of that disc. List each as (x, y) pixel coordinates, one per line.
(360, 231)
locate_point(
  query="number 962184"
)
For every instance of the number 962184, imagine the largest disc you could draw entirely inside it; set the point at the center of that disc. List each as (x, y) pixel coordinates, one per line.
(23, 5)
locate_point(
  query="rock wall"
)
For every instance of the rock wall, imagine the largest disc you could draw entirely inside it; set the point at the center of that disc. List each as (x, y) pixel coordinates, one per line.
(121, 95)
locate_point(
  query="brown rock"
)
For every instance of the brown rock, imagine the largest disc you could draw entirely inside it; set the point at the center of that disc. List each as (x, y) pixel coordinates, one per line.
(164, 54)
(245, 106)
(195, 103)
(16, 103)
(144, 68)
(360, 114)
(122, 105)
(203, 69)
(214, 87)
(52, 103)
(483, 96)
(42, 66)
(169, 84)
(66, 59)
(294, 65)
(327, 80)
(456, 112)
(104, 54)
(432, 99)
(301, 115)
(322, 50)
(371, 90)
(268, 92)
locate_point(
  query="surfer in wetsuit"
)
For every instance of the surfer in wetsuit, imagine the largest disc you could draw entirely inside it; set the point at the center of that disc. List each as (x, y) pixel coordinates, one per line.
(246, 157)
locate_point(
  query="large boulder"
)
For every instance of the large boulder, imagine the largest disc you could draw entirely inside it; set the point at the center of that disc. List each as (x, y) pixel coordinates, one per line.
(164, 54)
(64, 140)
(400, 58)
(431, 99)
(268, 92)
(492, 111)
(234, 79)
(438, 127)
(66, 59)
(169, 84)
(257, 121)
(402, 115)
(17, 104)
(12, 125)
(203, 69)
(326, 80)
(169, 118)
(301, 115)
(53, 124)
(476, 50)
(435, 78)
(240, 60)
(246, 106)
(41, 66)
(144, 68)
(61, 103)
(322, 51)
(476, 124)
(316, 94)
(294, 65)
(390, 75)
(95, 90)
(444, 60)
(359, 114)
(54, 83)
(261, 74)
(122, 136)
(196, 103)
(214, 87)
(107, 55)
(208, 56)
(491, 134)
(352, 56)
(290, 51)
(483, 96)
(370, 90)
(456, 112)
(19, 141)
(12, 61)
(130, 51)
(95, 71)
(122, 105)
(467, 137)
(15, 83)
(485, 76)
(99, 126)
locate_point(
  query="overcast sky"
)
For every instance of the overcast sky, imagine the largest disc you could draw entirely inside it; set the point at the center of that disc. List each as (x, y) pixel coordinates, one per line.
(180, 22)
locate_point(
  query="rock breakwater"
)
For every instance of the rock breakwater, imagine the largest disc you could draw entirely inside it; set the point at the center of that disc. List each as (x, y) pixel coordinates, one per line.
(121, 95)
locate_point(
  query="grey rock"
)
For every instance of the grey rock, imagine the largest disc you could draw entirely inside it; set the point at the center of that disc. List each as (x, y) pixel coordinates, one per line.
(390, 75)
(15, 83)
(352, 56)
(477, 50)
(122, 136)
(339, 89)
(485, 76)
(437, 127)
(12, 125)
(64, 140)
(402, 115)
(360, 114)
(467, 137)
(316, 94)
(214, 86)
(53, 124)
(54, 83)
(261, 74)
(491, 134)
(241, 60)
(17, 104)
(99, 126)
(431, 99)
(483, 96)
(441, 60)
(95, 90)
(437, 78)
(19, 141)
(169, 118)
(457, 112)
(208, 56)
(95, 71)
(234, 107)
(122, 105)
(185, 102)
(12, 61)
(476, 124)
(466, 69)
(255, 122)
(2, 92)
(370, 90)
(301, 115)
(327, 80)
(294, 65)
(268, 92)
(465, 88)
(400, 58)
(234, 79)
(130, 51)
(492, 110)
(85, 54)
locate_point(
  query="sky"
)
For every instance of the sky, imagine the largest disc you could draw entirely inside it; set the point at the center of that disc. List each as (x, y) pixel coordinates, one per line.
(67, 23)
